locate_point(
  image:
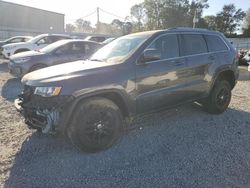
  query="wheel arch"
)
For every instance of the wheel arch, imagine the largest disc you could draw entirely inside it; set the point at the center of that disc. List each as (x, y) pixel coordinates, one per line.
(228, 75)
(37, 65)
(116, 96)
(21, 50)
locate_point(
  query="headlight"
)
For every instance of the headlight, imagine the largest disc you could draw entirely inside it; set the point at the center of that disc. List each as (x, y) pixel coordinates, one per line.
(48, 91)
(21, 60)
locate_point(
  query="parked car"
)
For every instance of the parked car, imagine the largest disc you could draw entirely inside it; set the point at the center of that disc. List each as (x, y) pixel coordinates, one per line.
(35, 43)
(57, 53)
(134, 74)
(13, 40)
(108, 40)
(96, 38)
(244, 56)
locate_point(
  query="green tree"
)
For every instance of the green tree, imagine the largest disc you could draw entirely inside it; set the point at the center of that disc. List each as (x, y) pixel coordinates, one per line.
(229, 19)
(210, 22)
(70, 28)
(161, 14)
(246, 27)
(138, 12)
(83, 26)
(195, 12)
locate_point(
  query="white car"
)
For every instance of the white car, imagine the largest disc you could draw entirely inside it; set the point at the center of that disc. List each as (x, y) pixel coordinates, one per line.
(35, 43)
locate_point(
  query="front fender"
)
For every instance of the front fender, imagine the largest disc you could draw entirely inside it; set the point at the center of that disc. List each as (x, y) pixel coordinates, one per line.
(83, 94)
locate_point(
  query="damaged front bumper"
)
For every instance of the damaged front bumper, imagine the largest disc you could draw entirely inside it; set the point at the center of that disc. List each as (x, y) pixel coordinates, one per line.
(42, 113)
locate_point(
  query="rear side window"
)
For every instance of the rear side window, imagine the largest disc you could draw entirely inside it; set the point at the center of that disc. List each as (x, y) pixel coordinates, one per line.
(167, 45)
(15, 40)
(193, 44)
(215, 43)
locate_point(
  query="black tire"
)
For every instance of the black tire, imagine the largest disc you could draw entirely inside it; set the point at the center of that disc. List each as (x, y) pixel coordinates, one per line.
(96, 125)
(219, 98)
(37, 67)
(21, 50)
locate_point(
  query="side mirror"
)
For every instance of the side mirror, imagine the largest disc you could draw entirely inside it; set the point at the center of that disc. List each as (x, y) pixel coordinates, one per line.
(151, 54)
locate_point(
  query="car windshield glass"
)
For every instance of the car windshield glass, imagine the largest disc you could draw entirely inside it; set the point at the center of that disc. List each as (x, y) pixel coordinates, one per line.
(33, 40)
(119, 49)
(53, 46)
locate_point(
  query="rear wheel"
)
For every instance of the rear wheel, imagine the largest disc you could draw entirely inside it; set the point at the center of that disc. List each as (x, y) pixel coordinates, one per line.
(96, 125)
(219, 98)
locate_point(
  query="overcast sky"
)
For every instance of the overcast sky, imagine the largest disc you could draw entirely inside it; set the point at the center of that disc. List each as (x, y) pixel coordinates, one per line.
(74, 9)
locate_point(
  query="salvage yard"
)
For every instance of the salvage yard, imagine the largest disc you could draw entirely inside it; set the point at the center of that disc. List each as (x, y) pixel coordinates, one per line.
(181, 147)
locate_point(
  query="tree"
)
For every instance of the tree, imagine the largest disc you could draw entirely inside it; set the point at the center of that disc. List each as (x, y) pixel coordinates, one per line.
(138, 12)
(83, 26)
(122, 28)
(246, 28)
(195, 12)
(70, 28)
(161, 14)
(229, 19)
(210, 22)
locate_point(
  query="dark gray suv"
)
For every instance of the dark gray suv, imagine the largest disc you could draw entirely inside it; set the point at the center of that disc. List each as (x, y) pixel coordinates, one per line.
(134, 74)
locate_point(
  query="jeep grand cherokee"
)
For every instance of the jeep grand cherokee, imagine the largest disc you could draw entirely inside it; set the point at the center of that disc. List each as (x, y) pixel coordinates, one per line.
(134, 74)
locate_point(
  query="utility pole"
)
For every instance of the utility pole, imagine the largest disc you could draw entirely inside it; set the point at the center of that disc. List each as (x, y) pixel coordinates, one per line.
(98, 20)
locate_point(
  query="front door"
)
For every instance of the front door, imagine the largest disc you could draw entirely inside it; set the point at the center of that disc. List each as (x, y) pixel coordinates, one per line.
(161, 83)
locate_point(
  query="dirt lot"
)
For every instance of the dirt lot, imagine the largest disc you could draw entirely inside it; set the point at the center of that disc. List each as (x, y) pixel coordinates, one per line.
(182, 147)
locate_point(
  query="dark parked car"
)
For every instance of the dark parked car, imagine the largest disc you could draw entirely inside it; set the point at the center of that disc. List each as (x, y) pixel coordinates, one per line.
(134, 74)
(57, 53)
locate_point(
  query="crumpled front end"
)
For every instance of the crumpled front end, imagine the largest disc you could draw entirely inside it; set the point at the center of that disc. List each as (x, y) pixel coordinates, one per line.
(42, 113)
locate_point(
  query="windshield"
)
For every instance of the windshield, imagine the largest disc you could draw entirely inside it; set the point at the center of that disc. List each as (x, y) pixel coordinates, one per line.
(34, 39)
(53, 46)
(119, 49)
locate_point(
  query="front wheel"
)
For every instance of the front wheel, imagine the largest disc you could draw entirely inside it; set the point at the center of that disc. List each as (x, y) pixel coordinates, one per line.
(219, 98)
(96, 125)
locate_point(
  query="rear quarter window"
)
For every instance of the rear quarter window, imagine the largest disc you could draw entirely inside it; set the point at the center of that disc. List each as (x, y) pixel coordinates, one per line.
(193, 44)
(215, 43)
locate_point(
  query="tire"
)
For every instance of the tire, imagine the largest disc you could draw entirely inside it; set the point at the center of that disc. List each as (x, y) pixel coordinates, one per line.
(21, 50)
(37, 67)
(219, 98)
(96, 125)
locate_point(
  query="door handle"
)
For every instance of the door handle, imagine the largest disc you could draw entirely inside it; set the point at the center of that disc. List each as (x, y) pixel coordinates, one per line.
(179, 63)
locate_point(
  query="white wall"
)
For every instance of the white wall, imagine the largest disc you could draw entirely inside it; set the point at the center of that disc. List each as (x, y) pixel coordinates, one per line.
(240, 42)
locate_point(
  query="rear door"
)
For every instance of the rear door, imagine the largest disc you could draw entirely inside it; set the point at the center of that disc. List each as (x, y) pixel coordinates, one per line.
(161, 83)
(194, 49)
(218, 48)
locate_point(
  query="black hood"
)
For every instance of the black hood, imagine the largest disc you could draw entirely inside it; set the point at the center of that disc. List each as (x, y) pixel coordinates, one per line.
(60, 73)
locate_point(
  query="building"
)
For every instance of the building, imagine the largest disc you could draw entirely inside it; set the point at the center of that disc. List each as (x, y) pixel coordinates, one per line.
(23, 20)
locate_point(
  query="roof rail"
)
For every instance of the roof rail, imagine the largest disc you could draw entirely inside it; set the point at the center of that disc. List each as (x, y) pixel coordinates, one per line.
(188, 28)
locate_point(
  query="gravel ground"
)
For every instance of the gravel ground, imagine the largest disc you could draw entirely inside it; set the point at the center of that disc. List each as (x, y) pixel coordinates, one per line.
(181, 147)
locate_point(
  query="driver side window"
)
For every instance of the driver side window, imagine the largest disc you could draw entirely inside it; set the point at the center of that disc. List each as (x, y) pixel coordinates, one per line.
(167, 45)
